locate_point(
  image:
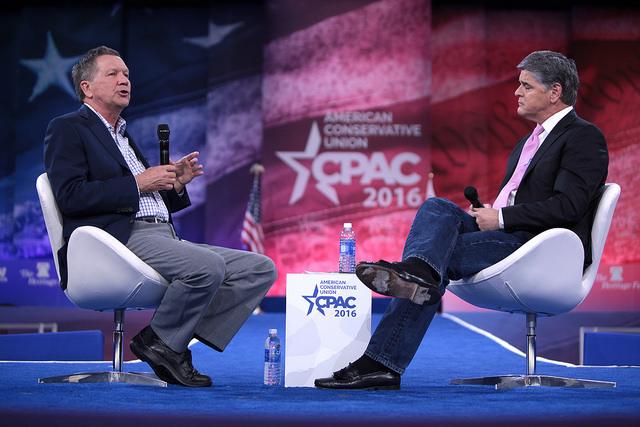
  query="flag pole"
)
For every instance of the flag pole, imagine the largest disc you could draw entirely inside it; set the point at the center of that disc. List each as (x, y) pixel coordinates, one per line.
(429, 190)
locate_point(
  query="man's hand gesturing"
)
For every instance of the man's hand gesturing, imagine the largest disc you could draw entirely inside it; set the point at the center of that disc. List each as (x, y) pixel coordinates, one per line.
(187, 168)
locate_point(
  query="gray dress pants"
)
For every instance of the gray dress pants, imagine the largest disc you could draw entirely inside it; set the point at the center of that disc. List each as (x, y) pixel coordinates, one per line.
(212, 290)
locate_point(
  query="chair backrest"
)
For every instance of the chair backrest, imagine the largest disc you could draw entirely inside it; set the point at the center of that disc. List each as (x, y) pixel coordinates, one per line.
(52, 216)
(600, 230)
(121, 280)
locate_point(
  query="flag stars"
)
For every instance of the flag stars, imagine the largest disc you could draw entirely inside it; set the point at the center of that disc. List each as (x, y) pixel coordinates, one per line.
(216, 34)
(52, 70)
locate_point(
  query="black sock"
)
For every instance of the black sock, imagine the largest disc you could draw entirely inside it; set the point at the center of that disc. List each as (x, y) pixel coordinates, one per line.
(422, 269)
(366, 365)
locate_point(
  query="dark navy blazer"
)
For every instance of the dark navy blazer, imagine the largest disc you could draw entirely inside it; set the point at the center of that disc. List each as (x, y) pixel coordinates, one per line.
(91, 181)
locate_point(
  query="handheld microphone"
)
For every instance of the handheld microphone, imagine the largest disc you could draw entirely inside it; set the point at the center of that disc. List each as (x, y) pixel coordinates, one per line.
(163, 137)
(472, 195)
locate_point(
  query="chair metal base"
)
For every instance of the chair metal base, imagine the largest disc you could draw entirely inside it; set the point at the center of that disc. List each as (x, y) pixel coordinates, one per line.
(505, 382)
(107, 377)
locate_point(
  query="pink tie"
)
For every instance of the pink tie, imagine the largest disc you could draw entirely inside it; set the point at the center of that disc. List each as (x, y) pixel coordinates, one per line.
(529, 149)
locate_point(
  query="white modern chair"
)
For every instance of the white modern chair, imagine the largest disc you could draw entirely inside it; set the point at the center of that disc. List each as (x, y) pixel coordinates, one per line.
(543, 277)
(103, 274)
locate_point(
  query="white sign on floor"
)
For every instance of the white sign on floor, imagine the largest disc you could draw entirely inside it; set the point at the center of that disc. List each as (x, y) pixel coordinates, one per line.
(328, 325)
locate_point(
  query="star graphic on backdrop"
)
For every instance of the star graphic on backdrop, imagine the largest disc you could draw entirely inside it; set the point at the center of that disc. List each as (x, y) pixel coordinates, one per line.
(51, 70)
(215, 36)
(310, 299)
(116, 8)
(310, 152)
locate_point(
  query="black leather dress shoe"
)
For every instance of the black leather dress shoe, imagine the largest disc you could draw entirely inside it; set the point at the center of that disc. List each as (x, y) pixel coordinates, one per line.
(351, 378)
(170, 366)
(394, 279)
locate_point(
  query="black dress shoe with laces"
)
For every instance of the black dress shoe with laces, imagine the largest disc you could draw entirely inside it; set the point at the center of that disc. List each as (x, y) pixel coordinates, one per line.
(400, 280)
(351, 378)
(170, 366)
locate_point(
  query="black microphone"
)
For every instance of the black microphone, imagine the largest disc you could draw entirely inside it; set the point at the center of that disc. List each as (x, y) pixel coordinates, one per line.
(472, 195)
(163, 137)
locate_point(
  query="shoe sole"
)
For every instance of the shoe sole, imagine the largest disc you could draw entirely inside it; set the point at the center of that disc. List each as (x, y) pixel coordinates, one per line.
(159, 367)
(386, 281)
(373, 387)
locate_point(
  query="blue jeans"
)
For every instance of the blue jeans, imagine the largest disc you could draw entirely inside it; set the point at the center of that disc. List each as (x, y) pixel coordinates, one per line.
(449, 240)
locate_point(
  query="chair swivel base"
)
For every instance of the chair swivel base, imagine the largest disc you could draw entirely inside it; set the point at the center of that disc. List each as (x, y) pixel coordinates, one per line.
(107, 377)
(505, 382)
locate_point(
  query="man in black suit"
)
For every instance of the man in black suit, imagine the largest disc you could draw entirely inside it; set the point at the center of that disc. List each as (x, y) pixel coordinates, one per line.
(100, 178)
(552, 180)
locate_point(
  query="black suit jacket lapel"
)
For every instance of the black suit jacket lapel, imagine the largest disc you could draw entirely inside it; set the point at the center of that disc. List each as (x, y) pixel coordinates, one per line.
(557, 131)
(102, 134)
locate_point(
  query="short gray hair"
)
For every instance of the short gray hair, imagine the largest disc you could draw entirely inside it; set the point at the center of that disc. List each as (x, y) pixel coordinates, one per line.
(552, 67)
(85, 68)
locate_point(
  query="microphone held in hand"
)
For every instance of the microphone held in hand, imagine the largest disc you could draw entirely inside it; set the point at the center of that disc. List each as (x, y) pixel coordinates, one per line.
(163, 137)
(472, 195)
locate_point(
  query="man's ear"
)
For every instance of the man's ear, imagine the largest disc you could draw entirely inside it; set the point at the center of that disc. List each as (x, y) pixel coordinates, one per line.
(85, 86)
(556, 93)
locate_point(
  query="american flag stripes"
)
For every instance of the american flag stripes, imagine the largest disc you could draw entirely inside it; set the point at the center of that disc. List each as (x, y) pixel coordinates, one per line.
(252, 235)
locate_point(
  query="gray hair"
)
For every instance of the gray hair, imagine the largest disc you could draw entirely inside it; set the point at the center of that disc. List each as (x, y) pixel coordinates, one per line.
(552, 67)
(85, 68)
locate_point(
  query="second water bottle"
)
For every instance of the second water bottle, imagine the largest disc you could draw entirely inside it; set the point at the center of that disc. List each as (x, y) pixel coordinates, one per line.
(272, 359)
(347, 260)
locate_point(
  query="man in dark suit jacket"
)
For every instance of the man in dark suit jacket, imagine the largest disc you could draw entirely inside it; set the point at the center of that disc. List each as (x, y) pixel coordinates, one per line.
(553, 179)
(100, 178)
(109, 189)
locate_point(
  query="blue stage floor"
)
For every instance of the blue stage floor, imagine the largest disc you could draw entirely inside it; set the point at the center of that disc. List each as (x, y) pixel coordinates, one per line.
(238, 397)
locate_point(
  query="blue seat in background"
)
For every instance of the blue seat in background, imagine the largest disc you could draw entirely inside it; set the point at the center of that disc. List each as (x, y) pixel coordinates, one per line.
(608, 346)
(75, 345)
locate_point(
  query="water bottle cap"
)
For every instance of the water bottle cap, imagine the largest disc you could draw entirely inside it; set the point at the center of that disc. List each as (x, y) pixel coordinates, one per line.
(273, 331)
(347, 225)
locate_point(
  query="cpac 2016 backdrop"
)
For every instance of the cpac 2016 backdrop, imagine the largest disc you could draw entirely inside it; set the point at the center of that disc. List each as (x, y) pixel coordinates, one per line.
(348, 105)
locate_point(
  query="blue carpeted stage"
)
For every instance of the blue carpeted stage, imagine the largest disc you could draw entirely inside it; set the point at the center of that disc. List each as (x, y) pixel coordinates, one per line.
(238, 396)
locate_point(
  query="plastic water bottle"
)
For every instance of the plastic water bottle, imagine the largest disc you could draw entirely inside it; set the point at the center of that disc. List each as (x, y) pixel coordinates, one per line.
(347, 261)
(272, 359)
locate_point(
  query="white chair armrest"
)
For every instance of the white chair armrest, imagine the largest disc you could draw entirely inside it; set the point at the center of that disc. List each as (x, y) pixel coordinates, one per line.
(103, 274)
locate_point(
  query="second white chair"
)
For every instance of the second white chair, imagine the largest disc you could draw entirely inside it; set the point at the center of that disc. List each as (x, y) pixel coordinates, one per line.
(544, 277)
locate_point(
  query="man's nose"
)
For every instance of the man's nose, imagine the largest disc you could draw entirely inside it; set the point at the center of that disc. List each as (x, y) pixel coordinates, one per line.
(518, 91)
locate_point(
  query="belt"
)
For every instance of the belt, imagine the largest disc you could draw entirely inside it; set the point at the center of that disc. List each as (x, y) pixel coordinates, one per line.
(152, 219)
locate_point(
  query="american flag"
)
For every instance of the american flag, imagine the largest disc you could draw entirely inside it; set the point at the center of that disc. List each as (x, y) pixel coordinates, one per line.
(252, 235)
